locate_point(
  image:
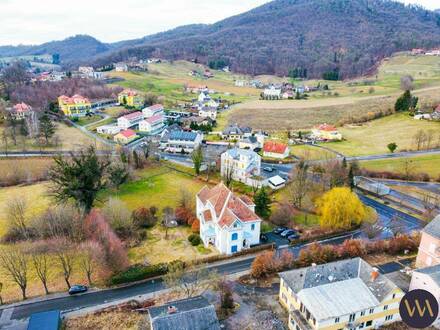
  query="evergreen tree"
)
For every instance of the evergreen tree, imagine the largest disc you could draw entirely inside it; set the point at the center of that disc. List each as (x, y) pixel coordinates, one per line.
(47, 128)
(262, 203)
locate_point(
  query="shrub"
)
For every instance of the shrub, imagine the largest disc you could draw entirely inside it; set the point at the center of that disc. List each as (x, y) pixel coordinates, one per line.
(195, 227)
(144, 218)
(194, 239)
(138, 273)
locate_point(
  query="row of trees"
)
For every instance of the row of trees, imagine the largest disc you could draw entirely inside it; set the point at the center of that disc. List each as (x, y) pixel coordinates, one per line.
(269, 263)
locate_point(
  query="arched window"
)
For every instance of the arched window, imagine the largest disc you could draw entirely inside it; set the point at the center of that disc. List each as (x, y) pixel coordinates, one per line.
(234, 237)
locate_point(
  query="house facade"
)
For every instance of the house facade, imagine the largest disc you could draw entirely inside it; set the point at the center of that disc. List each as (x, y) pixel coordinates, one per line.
(240, 164)
(346, 294)
(152, 125)
(75, 106)
(272, 93)
(207, 112)
(130, 98)
(154, 110)
(326, 132)
(227, 221)
(21, 111)
(429, 249)
(130, 120)
(179, 141)
(125, 136)
(236, 132)
(274, 149)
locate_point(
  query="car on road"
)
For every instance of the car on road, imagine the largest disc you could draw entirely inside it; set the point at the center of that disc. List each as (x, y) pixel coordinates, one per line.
(268, 169)
(75, 289)
(279, 230)
(293, 237)
(287, 233)
(263, 238)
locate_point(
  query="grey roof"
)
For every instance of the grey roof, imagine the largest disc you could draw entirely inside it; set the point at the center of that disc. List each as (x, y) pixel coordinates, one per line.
(319, 285)
(192, 314)
(238, 130)
(236, 152)
(433, 272)
(433, 228)
(250, 139)
(183, 136)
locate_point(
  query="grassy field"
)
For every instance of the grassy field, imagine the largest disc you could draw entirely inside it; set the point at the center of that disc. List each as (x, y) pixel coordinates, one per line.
(308, 152)
(345, 100)
(374, 136)
(429, 164)
(168, 80)
(69, 138)
(18, 169)
(154, 186)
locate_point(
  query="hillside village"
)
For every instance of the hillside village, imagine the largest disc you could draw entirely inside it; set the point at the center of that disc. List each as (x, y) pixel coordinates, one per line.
(140, 175)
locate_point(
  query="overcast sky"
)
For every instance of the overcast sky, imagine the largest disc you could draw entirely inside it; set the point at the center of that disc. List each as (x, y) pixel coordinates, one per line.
(38, 21)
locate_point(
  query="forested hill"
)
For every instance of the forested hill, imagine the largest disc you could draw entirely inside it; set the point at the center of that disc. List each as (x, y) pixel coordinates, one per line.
(314, 36)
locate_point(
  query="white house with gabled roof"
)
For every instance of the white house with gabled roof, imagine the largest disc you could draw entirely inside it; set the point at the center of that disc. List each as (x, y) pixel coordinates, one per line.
(227, 221)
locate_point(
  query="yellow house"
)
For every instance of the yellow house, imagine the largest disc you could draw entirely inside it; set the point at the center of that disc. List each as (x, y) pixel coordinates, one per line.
(125, 136)
(326, 132)
(75, 106)
(346, 294)
(130, 98)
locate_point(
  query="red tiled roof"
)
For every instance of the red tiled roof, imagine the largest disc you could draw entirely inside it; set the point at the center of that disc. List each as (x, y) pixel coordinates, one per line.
(156, 107)
(129, 92)
(22, 107)
(74, 99)
(275, 147)
(128, 133)
(327, 128)
(228, 208)
(133, 115)
(154, 119)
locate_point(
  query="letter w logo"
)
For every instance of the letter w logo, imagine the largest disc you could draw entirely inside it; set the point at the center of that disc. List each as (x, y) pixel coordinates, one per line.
(420, 310)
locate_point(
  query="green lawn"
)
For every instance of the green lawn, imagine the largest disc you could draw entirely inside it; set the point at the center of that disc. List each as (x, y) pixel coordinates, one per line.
(157, 186)
(308, 152)
(374, 136)
(429, 164)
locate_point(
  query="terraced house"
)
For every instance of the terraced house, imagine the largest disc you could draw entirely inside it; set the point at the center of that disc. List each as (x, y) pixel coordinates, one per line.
(346, 294)
(130, 98)
(75, 106)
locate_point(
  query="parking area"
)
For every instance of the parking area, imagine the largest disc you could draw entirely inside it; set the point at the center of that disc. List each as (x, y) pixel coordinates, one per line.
(277, 239)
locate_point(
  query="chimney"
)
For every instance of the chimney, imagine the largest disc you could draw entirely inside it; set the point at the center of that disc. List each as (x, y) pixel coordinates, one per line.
(374, 274)
(172, 309)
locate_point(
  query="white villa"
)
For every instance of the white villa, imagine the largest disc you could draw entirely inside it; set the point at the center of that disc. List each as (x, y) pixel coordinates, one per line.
(227, 221)
(206, 101)
(240, 164)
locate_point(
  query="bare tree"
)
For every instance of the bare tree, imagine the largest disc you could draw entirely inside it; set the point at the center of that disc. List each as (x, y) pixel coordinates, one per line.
(300, 184)
(407, 83)
(63, 250)
(14, 263)
(190, 280)
(169, 219)
(41, 263)
(88, 262)
(419, 139)
(227, 175)
(16, 212)
(408, 168)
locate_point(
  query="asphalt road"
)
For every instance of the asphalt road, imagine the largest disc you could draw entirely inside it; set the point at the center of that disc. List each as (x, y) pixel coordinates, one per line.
(105, 296)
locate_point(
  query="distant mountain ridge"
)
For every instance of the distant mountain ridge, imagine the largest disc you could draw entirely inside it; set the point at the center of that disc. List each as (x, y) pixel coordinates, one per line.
(347, 37)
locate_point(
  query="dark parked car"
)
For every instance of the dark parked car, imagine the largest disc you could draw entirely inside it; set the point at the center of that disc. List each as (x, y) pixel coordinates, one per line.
(263, 238)
(293, 237)
(287, 233)
(279, 230)
(77, 289)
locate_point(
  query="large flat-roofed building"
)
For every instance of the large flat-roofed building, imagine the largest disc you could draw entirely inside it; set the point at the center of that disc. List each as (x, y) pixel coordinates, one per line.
(346, 294)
